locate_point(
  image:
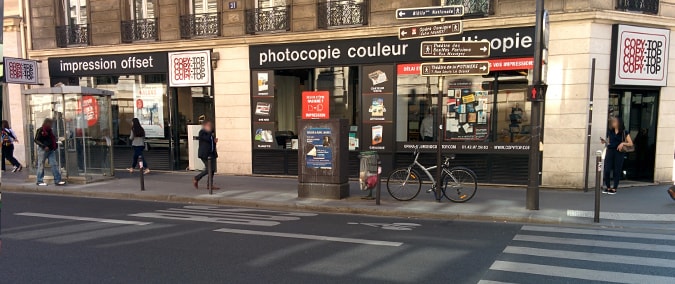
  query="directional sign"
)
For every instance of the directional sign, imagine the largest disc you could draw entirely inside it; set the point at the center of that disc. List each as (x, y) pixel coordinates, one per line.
(430, 12)
(432, 30)
(437, 49)
(455, 68)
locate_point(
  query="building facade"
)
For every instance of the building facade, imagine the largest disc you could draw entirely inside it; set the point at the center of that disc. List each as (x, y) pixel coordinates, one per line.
(265, 54)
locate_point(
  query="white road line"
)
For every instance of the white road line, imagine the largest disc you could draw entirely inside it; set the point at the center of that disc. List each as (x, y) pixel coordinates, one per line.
(623, 216)
(597, 257)
(594, 243)
(579, 273)
(88, 219)
(492, 282)
(311, 237)
(598, 233)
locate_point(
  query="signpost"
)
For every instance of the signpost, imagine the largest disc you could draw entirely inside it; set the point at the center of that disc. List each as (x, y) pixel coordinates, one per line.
(430, 12)
(455, 68)
(433, 30)
(466, 49)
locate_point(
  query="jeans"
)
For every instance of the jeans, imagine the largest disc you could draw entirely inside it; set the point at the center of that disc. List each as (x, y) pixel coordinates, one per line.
(8, 154)
(51, 156)
(613, 164)
(138, 152)
(206, 169)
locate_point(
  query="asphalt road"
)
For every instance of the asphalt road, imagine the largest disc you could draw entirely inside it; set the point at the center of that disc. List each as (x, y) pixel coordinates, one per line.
(49, 239)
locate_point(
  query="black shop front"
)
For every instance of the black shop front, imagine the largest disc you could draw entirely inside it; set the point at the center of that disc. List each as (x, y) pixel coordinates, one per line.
(375, 83)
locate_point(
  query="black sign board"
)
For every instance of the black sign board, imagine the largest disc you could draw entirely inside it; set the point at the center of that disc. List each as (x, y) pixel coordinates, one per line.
(377, 89)
(430, 12)
(455, 68)
(432, 30)
(466, 147)
(117, 64)
(466, 49)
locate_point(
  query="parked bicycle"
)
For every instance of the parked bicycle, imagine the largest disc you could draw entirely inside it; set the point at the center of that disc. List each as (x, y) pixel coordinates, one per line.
(457, 184)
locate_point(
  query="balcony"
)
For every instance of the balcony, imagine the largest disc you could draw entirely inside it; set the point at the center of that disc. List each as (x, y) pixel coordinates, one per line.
(342, 13)
(72, 35)
(139, 30)
(643, 6)
(473, 8)
(271, 19)
(200, 25)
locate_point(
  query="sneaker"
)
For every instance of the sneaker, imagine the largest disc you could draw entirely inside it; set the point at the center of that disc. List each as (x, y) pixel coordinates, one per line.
(131, 170)
(605, 191)
(671, 192)
(147, 171)
(20, 168)
(42, 183)
(61, 183)
(611, 192)
(15, 169)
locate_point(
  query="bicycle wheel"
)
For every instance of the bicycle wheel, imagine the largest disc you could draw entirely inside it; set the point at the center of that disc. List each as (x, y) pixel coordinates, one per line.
(459, 184)
(404, 185)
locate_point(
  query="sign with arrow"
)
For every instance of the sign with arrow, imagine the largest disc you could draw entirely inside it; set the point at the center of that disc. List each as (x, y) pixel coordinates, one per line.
(455, 68)
(430, 12)
(466, 49)
(430, 30)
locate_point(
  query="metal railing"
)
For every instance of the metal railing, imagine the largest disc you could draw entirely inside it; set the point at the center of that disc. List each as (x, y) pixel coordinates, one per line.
(72, 35)
(200, 25)
(644, 6)
(340, 13)
(139, 30)
(476, 8)
(268, 19)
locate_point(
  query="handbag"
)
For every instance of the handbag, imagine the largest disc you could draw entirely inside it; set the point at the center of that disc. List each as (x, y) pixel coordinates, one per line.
(627, 149)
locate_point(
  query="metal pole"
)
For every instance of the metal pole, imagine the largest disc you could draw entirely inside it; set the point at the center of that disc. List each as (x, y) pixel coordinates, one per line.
(209, 178)
(379, 182)
(532, 199)
(590, 126)
(598, 178)
(140, 167)
(439, 122)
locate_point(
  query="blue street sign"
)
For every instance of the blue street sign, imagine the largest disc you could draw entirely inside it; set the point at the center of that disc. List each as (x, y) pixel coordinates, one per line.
(430, 12)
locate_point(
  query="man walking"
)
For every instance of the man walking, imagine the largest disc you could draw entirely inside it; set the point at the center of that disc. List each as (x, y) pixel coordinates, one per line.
(207, 148)
(46, 148)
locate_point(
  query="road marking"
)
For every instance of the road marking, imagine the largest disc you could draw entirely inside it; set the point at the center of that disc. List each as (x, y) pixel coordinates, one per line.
(597, 257)
(599, 233)
(492, 282)
(88, 219)
(390, 226)
(623, 216)
(237, 216)
(311, 237)
(578, 273)
(594, 243)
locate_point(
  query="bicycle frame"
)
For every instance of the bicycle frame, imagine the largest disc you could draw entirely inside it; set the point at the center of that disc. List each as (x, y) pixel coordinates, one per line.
(426, 171)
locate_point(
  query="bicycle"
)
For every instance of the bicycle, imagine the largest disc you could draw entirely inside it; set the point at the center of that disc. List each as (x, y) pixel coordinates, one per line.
(458, 184)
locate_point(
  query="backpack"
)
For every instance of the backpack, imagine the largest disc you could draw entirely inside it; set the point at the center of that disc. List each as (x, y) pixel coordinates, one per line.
(5, 138)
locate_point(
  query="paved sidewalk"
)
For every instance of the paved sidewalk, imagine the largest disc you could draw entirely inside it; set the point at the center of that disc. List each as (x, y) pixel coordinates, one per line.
(631, 207)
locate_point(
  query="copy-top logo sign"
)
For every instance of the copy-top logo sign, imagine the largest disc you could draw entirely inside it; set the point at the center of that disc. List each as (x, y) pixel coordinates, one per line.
(316, 105)
(190, 68)
(21, 71)
(641, 56)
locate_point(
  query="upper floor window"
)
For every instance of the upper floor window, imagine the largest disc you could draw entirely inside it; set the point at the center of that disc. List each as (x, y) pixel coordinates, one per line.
(342, 13)
(141, 21)
(269, 3)
(203, 6)
(75, 12)
(476, 8)
(142, 9)
(644, 6)
(72, 18)
(200, 19)
(268, 16)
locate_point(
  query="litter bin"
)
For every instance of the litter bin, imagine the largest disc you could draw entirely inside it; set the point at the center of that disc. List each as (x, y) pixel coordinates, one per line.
(368, 172)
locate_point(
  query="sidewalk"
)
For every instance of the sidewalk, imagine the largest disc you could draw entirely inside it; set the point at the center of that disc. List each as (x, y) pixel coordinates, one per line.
(631, 207)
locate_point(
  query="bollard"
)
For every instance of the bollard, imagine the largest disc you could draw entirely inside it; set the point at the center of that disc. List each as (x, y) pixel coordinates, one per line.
(209, 178)
(598, 179)
(140, 167)
(379, 182)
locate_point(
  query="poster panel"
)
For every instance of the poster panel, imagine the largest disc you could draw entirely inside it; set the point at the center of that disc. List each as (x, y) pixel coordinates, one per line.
(149, 108)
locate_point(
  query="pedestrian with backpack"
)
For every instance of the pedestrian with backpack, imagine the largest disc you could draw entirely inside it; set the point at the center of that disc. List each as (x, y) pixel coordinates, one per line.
(8, 140)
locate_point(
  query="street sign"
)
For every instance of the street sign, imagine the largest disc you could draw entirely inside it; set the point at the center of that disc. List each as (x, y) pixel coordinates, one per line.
(466, 49)
(455, 68)
(432, 30)
(430, 12)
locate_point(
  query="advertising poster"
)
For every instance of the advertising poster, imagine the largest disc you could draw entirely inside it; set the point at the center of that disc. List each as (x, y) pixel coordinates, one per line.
(316, 105)
(262, 109)
(148, 108)
(377, 91)
(467, 115)
(190, 68)
(319, 153)
(89, 109)
(21, 71)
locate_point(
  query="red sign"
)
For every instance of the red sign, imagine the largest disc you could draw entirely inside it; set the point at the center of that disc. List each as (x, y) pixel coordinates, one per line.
(495, 65)
(139, 104)
(89, 108)
(316, 105)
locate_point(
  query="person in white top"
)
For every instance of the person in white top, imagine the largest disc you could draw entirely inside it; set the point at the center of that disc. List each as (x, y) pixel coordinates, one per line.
(428, 127)
(137, 138)
(8, 140)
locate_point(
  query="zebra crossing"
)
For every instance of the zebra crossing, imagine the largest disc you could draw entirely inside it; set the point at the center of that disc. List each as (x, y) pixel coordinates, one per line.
(540, 254)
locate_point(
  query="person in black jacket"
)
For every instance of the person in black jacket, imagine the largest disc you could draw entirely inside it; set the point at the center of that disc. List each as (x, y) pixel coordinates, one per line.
(207, 148)
(46, 148)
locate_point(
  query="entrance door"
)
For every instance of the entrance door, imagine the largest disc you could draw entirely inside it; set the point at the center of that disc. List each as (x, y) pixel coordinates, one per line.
(192, 106)
(639, 111)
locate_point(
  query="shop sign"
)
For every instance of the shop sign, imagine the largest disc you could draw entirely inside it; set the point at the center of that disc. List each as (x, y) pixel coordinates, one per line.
(455, 68)
(319, 154)
(378, 100)
(20, 71)
(507, 64)
(316, 105)
(190, 68)
(468, 148)
(507, 42)
(466, 49)
(640, 56)
(117, 64)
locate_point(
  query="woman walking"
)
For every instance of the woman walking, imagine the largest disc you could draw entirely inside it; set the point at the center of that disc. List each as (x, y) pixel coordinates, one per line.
(8, 140)
(617, 142)
(137, 138)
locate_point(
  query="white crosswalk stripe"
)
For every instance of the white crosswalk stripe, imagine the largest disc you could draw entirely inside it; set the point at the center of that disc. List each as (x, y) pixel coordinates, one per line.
(540, 254)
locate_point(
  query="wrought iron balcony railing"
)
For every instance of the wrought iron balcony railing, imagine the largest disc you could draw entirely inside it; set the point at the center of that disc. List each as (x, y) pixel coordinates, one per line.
(475, 8)
(200, 25)
(268, 19)
(644, 6)
(72, 35)
(341, 13)
(139, 30)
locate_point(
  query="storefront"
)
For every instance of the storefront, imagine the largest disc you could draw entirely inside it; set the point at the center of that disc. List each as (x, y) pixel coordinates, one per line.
(375, 84)
(158, 88)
